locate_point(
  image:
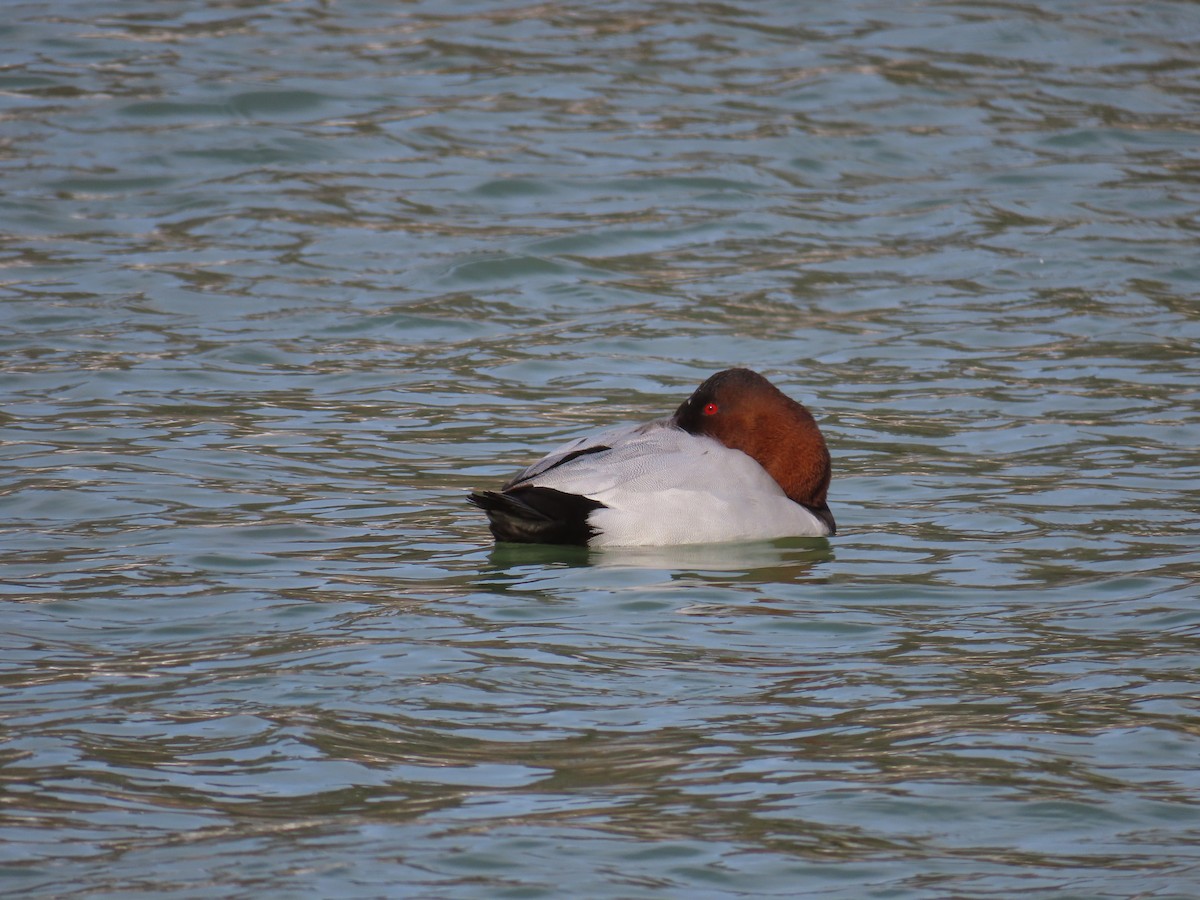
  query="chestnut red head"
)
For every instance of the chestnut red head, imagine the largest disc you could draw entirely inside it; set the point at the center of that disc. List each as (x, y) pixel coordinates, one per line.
(743, 410)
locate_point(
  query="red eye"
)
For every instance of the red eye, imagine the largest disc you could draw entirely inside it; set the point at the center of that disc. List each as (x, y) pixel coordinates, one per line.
(710, 409)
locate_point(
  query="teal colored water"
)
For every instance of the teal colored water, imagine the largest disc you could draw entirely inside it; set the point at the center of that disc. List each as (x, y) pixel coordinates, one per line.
(281, 282)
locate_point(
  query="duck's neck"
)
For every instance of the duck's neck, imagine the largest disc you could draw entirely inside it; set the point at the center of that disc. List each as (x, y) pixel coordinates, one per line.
(793, 452)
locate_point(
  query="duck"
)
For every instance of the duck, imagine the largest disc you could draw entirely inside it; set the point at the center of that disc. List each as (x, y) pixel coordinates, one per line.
(739, 460)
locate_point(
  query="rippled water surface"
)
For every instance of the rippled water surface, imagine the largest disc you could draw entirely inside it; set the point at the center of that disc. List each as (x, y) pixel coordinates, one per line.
(280, 282)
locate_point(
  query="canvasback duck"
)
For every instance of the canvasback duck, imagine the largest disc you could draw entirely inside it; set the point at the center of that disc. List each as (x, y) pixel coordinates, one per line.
(739, 460)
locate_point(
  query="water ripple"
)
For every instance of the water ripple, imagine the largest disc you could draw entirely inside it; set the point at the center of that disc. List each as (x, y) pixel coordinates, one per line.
(279, 284)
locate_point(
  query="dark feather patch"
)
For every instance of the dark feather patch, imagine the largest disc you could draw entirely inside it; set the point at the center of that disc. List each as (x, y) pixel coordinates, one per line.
(550, 462)
(537, 515)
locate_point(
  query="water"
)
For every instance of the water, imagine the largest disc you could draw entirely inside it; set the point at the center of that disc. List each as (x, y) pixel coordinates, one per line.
(281, 282)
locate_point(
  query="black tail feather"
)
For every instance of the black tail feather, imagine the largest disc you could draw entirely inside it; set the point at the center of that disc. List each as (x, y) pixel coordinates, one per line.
(537, 515)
